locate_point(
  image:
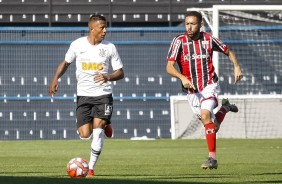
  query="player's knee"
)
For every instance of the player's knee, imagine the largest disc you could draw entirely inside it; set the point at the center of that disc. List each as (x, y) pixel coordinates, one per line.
(84, 136)
(205, 118)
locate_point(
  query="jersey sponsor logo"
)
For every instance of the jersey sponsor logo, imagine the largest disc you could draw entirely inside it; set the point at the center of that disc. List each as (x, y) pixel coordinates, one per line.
(189, 43)
(108, 109)
(195, 56)
(91, 66)
(187, 57)
(203, 56)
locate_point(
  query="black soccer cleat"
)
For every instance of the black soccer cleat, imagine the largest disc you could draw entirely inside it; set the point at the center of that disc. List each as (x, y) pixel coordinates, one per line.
(210, 164)
(231, 107)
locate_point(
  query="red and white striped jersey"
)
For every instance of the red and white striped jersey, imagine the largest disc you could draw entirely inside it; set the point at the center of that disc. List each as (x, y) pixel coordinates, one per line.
(194, 58)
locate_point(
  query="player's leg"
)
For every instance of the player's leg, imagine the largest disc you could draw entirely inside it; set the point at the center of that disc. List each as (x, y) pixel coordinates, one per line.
(97, 144)
(102, 112)
(206, 118)
(84, 118)
(224, 109)
(195, 104)
(208, 103)
(210, 131)
(108, 130)
(85, 131)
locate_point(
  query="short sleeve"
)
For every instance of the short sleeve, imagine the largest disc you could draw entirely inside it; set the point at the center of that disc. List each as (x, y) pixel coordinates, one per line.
(70, 55)
(218, 45)
(174, 49)
(115, 59)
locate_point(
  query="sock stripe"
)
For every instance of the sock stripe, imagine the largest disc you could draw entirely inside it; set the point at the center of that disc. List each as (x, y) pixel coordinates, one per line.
(95, 152)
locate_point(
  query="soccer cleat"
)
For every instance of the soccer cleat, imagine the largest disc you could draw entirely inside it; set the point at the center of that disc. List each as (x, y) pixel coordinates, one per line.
(231, 107)
(90, 173)
(108, 131)
(210, 164)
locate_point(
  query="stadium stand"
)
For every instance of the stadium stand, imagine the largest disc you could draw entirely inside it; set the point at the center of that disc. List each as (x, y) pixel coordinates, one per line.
(118, 12)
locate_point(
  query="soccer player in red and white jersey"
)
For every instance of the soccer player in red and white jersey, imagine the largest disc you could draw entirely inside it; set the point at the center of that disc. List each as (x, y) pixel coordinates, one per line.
(193, 53)
(93, 57)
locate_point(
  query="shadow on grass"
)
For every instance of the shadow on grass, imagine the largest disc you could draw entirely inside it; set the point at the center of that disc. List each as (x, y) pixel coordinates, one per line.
(97, 180)
(44, 180)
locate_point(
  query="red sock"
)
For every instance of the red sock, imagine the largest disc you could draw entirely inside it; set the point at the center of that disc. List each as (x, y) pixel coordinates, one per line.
(210, 137)
(220, 114)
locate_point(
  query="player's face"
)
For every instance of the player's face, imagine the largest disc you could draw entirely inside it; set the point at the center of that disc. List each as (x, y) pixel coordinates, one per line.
(98, 30)
(192, 26)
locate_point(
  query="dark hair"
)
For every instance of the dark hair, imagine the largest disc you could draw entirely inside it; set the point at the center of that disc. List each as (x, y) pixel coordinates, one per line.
(195, 14)
(96, 17)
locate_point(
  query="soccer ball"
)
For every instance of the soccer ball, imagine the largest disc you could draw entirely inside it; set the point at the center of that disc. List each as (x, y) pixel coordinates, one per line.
(77, 168)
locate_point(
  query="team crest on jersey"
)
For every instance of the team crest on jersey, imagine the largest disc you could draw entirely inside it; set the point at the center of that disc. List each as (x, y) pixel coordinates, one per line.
(102, 53)
(108, 109)
(205, 44)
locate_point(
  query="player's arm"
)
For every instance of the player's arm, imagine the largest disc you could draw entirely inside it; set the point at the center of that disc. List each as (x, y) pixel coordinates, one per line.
(237, 69)
(170, 69)
(54, 85)
(116, 75)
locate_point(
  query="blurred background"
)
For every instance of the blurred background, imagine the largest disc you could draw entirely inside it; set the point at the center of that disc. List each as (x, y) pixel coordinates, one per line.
(35, 35)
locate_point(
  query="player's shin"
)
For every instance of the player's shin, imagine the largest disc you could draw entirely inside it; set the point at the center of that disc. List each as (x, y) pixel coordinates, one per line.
(221, 114)
(96, 146)
(211, 139)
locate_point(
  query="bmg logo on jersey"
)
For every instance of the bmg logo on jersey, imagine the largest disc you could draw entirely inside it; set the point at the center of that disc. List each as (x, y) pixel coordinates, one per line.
(108, 109)
(91, 66)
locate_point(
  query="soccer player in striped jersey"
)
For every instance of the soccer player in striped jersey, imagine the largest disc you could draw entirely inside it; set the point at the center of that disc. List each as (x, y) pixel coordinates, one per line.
(193, 53)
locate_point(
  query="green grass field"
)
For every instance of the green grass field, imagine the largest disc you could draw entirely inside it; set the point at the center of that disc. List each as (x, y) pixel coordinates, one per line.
(143, 162)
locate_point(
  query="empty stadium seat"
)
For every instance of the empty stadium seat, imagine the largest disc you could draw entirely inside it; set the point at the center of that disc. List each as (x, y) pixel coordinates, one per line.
(62, 12)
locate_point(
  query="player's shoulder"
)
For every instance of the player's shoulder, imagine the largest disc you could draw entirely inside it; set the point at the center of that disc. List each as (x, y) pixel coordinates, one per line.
(107, 43)
(206, 34)
(180, 36)
(80, 40)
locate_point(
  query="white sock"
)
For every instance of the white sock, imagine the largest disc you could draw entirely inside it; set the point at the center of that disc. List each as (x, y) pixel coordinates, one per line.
(96, 146)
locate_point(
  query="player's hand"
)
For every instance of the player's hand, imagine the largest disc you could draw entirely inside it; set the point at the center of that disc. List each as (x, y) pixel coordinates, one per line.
(237, 74)
(53, 88)
(187, 84)
(100, 78)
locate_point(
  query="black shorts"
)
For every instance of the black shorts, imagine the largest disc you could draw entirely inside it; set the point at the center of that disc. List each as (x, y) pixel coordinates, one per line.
(89, 108)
